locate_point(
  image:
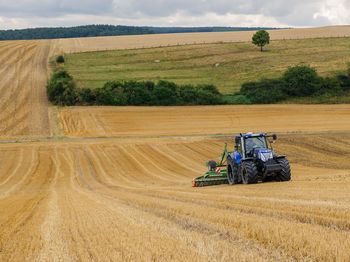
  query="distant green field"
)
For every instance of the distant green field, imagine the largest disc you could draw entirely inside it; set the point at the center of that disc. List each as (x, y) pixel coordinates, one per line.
(226, 65)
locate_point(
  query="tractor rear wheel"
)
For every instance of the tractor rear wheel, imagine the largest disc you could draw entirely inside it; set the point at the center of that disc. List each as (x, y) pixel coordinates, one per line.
(285, 174)
(249, 173)
(232, 174)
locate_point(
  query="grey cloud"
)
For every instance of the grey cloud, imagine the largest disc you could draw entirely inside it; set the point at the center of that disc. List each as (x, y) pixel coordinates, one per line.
(293, 13)
(21, 8)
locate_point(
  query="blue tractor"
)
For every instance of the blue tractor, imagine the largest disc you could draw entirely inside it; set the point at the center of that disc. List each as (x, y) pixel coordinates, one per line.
(252, 160)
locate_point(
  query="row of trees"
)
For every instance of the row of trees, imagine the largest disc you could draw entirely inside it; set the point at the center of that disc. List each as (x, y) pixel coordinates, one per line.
(296, 82)
(107, 30)
(70, 32)
(62, 90)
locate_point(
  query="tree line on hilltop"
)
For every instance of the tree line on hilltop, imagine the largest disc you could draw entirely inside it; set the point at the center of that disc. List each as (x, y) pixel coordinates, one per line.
(107, 30)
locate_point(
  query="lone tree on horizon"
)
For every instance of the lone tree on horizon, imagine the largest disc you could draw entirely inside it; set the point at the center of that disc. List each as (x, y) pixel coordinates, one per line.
(261, 38)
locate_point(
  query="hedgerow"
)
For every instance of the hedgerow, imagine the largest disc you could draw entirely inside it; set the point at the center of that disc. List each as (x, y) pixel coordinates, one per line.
(62, 90)
(298, 81)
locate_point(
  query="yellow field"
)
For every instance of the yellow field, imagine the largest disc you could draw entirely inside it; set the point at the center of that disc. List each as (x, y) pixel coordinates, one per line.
(199, 120)
(146, 41)
(23, 102)
(114, 184)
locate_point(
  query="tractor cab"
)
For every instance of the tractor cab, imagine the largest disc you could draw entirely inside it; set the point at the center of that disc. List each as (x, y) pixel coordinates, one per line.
(250, 145)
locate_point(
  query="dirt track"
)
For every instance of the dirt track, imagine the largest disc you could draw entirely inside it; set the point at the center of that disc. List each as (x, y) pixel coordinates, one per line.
(79, 197)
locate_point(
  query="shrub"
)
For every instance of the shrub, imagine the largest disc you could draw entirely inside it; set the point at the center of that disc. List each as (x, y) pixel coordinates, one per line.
(188, 95)
(86, 96)
(111, 94)
(301, 81)
(61, 89)
(209, 88)
(266, 91)
(329, 86)
(208, 95)
(60, 59)
(344, 82)
(164, 93)
(205, 97)
(137, 93)
(236, 99)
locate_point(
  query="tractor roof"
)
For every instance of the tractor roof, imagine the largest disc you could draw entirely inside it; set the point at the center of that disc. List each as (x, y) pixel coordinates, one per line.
(250, 134)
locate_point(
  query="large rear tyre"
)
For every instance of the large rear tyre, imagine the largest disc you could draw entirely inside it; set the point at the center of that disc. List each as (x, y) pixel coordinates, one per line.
(232, 174)
(285, 174)
(249, 173)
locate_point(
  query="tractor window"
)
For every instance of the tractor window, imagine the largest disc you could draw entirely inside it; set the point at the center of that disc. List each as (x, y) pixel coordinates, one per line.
(239, 147)
(254, 142)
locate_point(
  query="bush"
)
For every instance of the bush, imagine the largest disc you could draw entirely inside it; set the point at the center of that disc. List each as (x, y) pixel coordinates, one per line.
(264, 92)
(344, 82)
(330, 86)
(236, 99)
(301, 81)
(60, 59)
(164, 93)
(137, 93)
(61, 89)
(208, 95)
(188, 95)
(111, 94)
(86, 96)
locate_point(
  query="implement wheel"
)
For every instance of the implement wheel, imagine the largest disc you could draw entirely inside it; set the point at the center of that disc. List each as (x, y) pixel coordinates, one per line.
(212, 165)
(249, 173)
(232, 174)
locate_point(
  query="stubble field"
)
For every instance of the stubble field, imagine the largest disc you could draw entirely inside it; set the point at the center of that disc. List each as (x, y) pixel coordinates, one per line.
(115, 183)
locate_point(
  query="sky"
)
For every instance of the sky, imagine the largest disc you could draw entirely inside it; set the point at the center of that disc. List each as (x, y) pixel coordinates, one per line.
(269, 13)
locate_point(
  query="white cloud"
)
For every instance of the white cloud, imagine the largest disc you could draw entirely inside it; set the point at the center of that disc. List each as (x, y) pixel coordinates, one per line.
(336, 11)
(32, 13)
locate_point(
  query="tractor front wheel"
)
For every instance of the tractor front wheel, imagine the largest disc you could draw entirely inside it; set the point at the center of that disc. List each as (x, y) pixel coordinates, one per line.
(285, 174)
(249, 173)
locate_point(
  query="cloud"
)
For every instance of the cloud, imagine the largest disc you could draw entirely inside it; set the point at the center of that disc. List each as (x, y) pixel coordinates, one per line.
(335, 11)
(31, 13)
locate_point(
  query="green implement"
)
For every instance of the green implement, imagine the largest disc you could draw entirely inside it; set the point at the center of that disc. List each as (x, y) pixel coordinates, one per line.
(217, 172)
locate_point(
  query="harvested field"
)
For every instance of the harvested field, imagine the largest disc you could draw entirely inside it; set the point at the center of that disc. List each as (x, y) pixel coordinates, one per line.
(132, 200)
(146, 41)
(199, 120)
(114, 184)
(23, 102)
